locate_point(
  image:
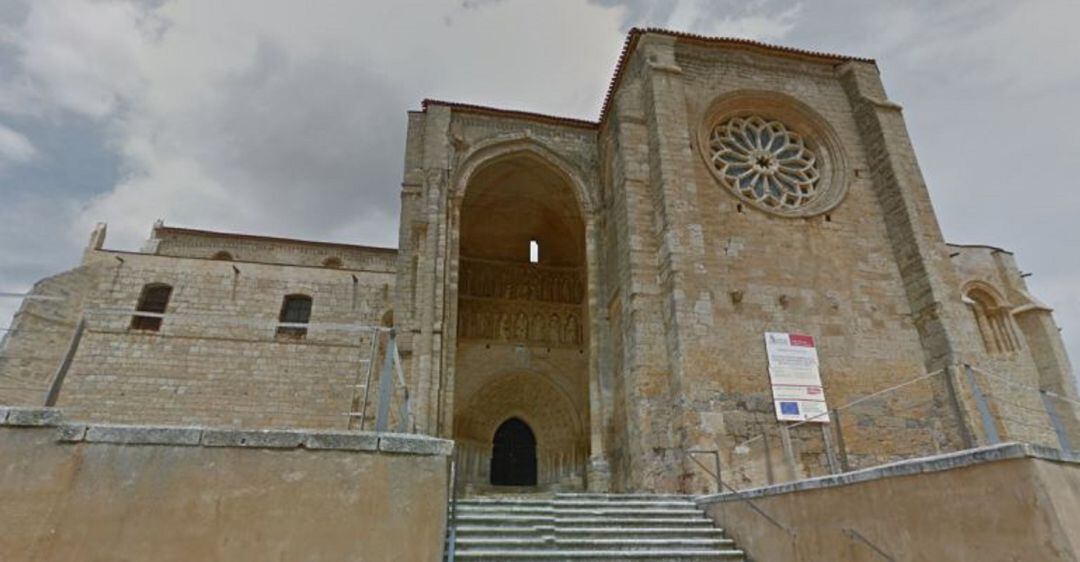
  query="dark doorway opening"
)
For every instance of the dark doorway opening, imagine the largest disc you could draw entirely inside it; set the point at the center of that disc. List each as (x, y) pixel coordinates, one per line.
(513, 455)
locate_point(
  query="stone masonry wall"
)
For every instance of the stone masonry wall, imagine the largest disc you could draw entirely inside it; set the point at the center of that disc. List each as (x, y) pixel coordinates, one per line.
(78, 491)
(41, 332)
(181, 242)
(1022, 347)
(217, 358)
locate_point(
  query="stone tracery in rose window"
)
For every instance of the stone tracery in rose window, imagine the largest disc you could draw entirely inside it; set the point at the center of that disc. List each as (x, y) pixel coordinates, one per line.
(765, 162)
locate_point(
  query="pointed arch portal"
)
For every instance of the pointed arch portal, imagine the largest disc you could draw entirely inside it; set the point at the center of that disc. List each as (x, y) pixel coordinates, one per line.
(521, 324)
(513, 454)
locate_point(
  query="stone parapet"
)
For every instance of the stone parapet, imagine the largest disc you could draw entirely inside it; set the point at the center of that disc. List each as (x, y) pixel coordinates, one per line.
(910, 467)
(1013, 501)
(80, 432)
(77, 490)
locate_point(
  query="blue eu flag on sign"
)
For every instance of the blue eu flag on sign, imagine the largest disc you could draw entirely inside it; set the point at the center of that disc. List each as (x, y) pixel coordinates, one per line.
(789, 408)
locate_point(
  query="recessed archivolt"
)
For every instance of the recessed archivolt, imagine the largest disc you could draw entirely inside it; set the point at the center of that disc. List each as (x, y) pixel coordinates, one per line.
(985, 292)
(503, 148)
(530, 396)
(993, 317)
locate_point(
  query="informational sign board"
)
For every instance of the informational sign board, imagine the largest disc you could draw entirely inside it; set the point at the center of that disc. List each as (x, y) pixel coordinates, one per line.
(796, 380)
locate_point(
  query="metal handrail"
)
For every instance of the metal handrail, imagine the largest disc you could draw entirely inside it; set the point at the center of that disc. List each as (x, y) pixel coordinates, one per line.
(720, 485)
(855, 535)
(716, 459)
(451, 513)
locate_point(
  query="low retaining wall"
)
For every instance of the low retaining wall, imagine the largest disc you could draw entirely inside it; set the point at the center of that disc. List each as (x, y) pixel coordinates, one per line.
(71, 491)
(1006, 502)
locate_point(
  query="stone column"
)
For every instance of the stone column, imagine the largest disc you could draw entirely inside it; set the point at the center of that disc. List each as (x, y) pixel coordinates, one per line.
(430, 265)
(683, 287)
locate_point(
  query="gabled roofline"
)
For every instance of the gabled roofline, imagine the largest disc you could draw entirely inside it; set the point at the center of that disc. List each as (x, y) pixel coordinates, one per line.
(629, 45)
(529, 115)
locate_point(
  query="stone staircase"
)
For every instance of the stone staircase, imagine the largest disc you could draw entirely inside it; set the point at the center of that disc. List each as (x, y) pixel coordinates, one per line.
(588, 527)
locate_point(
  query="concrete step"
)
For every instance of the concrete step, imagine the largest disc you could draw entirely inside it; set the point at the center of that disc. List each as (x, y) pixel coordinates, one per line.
(674, 512)
(620, 544)
(583, 527)
(580, 503)
(669, 555)
(616, 497)
(500, 520)
(593, 532)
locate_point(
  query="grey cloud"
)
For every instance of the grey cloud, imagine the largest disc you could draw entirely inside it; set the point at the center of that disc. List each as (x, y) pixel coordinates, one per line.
(304, 135)
(310, 142)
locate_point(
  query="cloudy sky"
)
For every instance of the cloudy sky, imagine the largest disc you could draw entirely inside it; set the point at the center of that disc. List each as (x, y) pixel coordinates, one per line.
(287, 118)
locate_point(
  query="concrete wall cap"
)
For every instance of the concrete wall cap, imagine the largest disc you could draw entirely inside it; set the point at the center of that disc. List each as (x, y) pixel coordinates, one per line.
(272, 439)
(143, 435)
(121, 434)
(414, 444)
(71, 433)
(33, 417)
(936, 463)
(342, 441)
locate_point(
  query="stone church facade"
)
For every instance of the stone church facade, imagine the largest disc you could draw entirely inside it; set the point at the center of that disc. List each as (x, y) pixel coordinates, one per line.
(603, 285)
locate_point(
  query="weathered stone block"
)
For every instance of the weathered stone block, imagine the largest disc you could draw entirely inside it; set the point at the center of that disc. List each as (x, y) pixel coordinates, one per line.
(143, 435)
(33, 417)
(342, 441)
(71, 433)
(268, 438)
(414, 444)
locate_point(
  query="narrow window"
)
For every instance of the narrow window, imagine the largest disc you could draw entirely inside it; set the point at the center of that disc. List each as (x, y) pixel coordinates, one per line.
(296, 309)
(153, 300)
(994, 322)
(534, 251)
(223, 256)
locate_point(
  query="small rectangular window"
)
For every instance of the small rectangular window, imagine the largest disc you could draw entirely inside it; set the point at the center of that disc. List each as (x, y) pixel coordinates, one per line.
(534, 251)
(296, 309)
(154, 299)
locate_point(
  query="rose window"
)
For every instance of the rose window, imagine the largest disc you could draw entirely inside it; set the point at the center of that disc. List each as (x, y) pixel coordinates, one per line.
(765, 162)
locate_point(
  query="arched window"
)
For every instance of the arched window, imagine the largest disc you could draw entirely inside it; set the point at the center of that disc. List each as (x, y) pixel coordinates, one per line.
(332, 263)
(295, 309)
(994, 321)
(152, 301)
(223, 256)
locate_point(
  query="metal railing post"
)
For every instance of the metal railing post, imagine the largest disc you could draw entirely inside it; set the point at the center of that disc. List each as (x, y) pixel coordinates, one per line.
(845, 466)
(789, 451)
(770, 473)
(716, 461)
(989, 428)
(451, 513)
(386, 386)
(830, 449)
(1059, 429)
(61, 372)
(372, 353)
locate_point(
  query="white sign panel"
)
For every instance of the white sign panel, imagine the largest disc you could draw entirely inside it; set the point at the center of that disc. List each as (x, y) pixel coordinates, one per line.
(796, 381)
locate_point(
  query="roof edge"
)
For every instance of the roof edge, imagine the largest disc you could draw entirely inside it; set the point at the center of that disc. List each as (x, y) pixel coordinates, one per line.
(620, 67)
(980, 247)
(532, 116)
(749, 44)
(261, 238)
